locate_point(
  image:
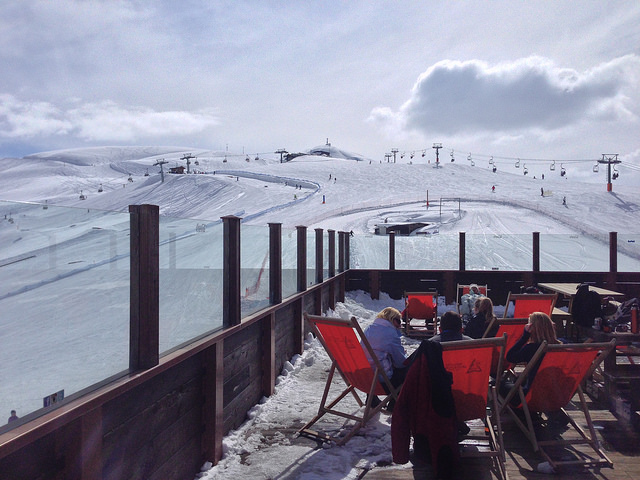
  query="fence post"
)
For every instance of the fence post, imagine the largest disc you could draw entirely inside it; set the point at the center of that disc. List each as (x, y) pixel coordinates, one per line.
(347, 264)
(392, 250)
(536, 251)
(461, 251)
(144, 313)
(332, 253)
(613, 259)
(302, 257)
(319, 256)
(231, 309)
(341, 251)
(275, 263)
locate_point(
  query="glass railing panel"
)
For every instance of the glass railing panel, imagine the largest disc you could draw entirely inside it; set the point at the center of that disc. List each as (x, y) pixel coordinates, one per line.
(628, 252)
(427, 252)
(325, 255)
(191, 256)
(369, 252)
(254, 261)
(64, 298)
(311, 258)
(289, 262)
(574, 253)
(498, 252)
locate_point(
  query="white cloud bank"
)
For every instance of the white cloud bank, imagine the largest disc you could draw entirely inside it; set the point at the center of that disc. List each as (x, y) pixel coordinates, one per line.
(103, 122)
(473, 97)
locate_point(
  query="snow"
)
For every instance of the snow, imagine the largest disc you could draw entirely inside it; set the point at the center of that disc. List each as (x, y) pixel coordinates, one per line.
(41, 348)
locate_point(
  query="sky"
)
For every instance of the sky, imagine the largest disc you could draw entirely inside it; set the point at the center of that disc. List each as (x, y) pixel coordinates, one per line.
(539, 81)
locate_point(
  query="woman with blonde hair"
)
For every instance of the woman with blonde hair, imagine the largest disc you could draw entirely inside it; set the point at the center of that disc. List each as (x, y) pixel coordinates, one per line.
(482, 316)
(384, 337)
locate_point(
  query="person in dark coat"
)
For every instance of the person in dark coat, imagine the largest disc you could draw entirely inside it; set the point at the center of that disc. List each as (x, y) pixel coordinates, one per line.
(426, 412)
(450, 328)
(483, 315)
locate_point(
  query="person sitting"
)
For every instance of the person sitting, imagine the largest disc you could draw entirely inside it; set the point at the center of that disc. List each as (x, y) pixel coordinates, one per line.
(540, 328)
(468, 301)
(384, 337)
(450, 328)
(483, 315)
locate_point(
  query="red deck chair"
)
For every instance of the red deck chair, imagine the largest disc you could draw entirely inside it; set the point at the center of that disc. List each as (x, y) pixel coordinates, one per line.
(423, 307)
(464, 290)
(562, 369)
(470, 363)
(347, 355)
(525, 304)
(513, 328)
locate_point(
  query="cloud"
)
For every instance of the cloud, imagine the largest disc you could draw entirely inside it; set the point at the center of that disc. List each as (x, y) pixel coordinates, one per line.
(454, 97)
(103, 122)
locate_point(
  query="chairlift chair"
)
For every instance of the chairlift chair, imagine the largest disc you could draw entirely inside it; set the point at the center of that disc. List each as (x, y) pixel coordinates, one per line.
(453, 159)
(552, 167)
(518, 163)
(525, 170)
(412, 154)
(100, 188)
(615, 173)
(563, 171)
(596, 167)
(424, 152)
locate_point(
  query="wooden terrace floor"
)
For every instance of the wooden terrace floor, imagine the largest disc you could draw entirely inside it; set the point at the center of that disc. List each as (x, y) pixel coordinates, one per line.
(621, 443)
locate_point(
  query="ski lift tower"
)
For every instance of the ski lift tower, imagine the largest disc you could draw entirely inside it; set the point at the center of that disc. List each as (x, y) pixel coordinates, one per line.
(161, 163)
(282, 151)
(394, 151)
(187, 157)
(609, 159)
(437, 147)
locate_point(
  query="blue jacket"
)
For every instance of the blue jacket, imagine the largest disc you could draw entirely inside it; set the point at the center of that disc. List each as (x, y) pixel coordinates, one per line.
(384, 338)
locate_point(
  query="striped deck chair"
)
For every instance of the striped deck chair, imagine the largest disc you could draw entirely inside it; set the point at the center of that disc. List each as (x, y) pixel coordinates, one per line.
(470, 363)
(341, 339)
(561, 370)
(525, 303)
(420, 315)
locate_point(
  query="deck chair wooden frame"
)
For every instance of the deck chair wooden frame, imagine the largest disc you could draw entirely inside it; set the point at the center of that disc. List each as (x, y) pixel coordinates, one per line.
(429, 300)
(342, 341)
(565, 367)
(470, 362)
(527, 303)
(462, 289)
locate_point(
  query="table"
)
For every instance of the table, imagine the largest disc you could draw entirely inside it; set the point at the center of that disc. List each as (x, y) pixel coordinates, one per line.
(621, 369)
(568, 292)
(569, 289)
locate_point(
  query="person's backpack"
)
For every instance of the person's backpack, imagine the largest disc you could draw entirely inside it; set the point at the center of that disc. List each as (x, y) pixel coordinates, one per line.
(586, 306)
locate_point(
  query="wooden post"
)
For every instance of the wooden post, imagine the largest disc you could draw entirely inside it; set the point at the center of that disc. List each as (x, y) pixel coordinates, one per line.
(613, 252)
(213, 412)
(461, 251)
(275, 263)
(144, 313)
(302, 257)
(269, 354)
(613, 260)
(341, 251)
(332, 252)
(319, 256)
(392, 250)
(231, 310)
(347, 264)
(536, 251)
